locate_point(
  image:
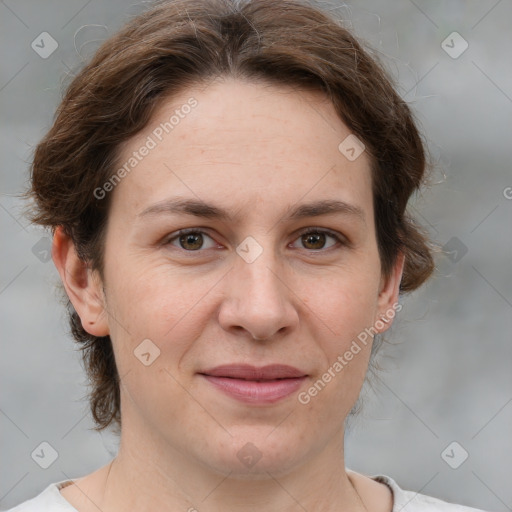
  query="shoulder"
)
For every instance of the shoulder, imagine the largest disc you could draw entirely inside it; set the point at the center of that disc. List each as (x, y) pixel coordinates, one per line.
(50, 499)
(410, 501)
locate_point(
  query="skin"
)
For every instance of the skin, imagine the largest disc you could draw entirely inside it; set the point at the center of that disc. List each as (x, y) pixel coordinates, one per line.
(256, 150)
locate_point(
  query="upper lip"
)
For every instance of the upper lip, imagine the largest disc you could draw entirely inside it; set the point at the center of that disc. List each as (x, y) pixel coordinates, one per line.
(248, 372)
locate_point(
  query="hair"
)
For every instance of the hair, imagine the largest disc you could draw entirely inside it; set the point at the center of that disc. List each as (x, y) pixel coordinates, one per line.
(178, 44)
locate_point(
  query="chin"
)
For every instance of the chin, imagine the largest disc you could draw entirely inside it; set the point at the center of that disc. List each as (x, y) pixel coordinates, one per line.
(254, 453)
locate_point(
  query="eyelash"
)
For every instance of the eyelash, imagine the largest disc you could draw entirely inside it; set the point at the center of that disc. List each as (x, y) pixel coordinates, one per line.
(339, 238)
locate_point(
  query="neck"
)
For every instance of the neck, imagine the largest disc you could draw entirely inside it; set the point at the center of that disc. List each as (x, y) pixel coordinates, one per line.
(153, 475)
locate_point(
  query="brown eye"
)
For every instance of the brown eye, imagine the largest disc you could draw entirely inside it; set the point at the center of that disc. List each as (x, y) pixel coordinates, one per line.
(315, 239)
(190, 240)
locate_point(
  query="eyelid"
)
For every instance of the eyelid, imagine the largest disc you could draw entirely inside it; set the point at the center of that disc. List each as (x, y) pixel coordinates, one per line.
(335, 234)
(341, 240)
(185, 231)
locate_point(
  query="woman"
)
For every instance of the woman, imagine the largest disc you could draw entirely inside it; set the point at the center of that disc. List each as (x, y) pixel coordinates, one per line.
(226, 184)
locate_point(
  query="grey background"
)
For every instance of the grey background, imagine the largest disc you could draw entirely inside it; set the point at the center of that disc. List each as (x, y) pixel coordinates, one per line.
(447, 370)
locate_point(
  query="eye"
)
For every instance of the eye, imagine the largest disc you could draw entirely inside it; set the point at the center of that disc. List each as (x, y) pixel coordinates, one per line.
(315, 238)
(193, 239)
(190, 240)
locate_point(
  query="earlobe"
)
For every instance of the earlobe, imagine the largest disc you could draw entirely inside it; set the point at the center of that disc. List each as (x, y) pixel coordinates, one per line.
(83, 286)
(388, 304)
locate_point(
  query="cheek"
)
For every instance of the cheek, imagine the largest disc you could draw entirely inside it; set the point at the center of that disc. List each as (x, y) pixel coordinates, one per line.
(345, 303)
(159, 304)
(169, 311)
(344, 309)
(165, 304)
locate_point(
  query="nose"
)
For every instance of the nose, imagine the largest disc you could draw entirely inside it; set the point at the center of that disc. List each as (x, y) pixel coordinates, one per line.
(257, 299)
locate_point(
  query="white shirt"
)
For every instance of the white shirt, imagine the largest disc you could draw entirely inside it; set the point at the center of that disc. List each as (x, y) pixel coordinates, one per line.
(51, 500)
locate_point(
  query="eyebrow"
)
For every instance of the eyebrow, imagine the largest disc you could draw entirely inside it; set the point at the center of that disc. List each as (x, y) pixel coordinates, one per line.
(201, 209)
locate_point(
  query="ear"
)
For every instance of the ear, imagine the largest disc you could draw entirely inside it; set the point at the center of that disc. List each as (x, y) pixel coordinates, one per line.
(387, 302)
(83, 285)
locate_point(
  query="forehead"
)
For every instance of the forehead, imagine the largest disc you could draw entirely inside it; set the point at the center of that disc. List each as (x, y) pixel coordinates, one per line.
(244, 144)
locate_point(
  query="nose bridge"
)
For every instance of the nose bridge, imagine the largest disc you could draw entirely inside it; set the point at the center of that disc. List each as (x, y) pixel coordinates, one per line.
(257, 300)
(257, 269)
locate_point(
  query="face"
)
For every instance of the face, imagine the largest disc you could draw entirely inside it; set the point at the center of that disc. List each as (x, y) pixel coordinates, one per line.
(248, 284)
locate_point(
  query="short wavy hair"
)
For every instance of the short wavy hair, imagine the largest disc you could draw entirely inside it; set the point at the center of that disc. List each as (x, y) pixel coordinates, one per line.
(181, 43)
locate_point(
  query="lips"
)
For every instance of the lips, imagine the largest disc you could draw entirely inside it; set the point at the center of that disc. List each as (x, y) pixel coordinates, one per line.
(248, 372)
(255, 386)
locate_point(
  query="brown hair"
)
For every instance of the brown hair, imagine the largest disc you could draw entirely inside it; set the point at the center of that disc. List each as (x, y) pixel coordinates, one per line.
(181, 43)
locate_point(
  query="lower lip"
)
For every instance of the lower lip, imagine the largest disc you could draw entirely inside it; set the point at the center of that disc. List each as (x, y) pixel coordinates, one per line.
(250, 391)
